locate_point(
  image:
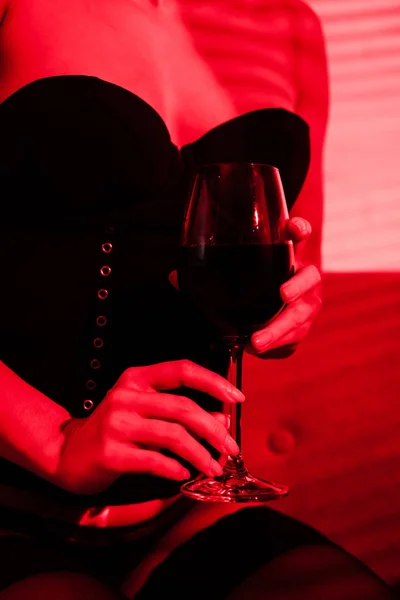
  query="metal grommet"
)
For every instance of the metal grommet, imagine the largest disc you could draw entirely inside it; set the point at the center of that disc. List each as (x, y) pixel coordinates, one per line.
(107, 247)
(95, 364)
(90, 384)
(101, 321)
(102, 294)
(109, 229)
(88, 404)
(105, 271)
(98, 343)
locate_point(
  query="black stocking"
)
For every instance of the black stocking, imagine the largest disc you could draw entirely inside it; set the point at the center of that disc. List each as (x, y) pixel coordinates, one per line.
(257, 554)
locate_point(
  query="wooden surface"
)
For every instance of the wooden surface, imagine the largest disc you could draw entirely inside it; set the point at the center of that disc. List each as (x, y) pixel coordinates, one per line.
(327, 420)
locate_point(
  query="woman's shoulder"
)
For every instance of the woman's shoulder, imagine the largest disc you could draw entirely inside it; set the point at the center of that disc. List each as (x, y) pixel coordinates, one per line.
(299, 16)
(303, 10)
(298, 9)
(308, 21)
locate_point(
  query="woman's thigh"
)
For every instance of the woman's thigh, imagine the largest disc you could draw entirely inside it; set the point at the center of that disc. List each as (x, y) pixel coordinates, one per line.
(27, 556)
(219, 552)
(59, 586)
(313, 572)
(23, 556)
(216, 542)
(38, 569)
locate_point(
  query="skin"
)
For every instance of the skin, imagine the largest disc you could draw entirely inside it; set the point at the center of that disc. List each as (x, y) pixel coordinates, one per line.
(134, 419)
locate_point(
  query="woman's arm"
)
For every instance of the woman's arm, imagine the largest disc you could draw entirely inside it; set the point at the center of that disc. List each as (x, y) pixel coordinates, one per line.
(313, 107)
(302, 292)
(31, 426)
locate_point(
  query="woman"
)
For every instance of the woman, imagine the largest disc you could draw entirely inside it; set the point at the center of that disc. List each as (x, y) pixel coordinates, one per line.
(106, 109)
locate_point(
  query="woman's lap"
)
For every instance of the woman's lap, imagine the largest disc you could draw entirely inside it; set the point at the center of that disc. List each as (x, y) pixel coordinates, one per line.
(26, 555)
(218, 558)
(261, 554)
(313, 572)
(23, 557)
(212, 563)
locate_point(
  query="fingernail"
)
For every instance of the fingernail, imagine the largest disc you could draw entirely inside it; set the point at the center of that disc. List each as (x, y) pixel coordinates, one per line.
(185, 475)
(261, 341)
(224, 420)
(236, 394)
(231, 447)
(215, 468)
(301, 225)
(287, 293)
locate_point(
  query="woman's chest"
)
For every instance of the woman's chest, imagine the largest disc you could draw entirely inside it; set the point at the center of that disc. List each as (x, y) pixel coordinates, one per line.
(196, 68)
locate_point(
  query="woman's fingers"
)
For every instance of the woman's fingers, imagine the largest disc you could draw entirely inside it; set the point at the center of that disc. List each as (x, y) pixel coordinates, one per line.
(290, 327)
(299, 229)
(292, 324)
(222, 418)
(182, 410)
(119, 459)
(303, 281)
(294, 337)
(175, 374)
(174, 437)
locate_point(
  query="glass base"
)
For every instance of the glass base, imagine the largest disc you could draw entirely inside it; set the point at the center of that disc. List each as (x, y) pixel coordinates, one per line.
(236, 484)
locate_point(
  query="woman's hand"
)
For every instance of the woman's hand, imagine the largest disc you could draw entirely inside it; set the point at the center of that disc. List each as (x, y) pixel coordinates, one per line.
(303, 301)
(126, 431)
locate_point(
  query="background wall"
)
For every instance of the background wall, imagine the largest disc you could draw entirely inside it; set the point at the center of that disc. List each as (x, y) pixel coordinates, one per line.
(362, 212)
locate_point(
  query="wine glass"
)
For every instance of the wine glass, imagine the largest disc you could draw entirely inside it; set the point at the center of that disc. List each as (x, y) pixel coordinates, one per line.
(234, 255)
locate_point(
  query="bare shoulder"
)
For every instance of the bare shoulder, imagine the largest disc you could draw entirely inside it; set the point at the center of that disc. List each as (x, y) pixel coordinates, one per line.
(310, 34)
(307, 20)
(306, 25)
(312, 66)
(307, 13)
(296, 12)
(306, 29)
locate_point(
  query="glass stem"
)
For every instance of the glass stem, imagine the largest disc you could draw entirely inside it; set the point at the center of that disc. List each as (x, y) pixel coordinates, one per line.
(235, 463)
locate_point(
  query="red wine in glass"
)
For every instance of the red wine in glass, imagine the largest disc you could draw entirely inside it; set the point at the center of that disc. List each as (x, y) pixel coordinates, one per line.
(234, 257)
(236, 287)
